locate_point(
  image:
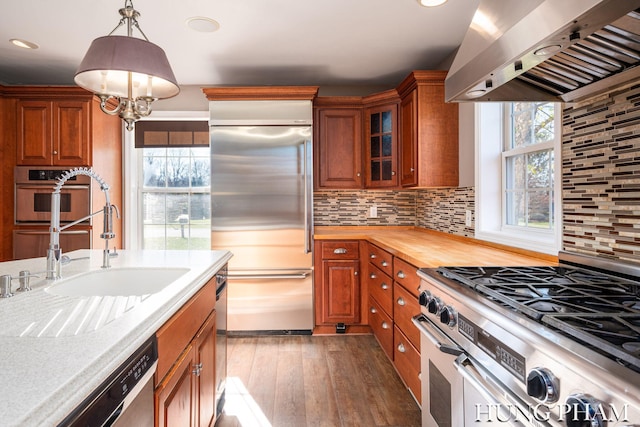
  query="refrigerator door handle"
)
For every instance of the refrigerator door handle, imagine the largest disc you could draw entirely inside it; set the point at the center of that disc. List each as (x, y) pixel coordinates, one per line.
(307, 228)
(251, 276)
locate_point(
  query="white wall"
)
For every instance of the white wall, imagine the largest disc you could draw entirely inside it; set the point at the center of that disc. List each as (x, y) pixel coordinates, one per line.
(466, 136)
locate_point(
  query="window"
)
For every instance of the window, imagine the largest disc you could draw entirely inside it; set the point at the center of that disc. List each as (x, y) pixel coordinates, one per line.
(517, 197)
(175, 198)
(528, 159)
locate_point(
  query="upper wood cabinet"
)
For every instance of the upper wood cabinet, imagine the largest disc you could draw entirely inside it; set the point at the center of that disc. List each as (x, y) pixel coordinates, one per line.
(338, 147)
(54, 132)
(381, 140)
(428, 132)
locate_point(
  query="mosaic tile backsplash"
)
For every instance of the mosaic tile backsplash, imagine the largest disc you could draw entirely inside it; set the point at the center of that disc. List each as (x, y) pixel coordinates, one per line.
(601, 175)
(437, 209)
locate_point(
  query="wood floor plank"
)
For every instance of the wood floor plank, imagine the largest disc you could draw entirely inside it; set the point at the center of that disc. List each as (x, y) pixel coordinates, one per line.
(289, 395)
(323, 381)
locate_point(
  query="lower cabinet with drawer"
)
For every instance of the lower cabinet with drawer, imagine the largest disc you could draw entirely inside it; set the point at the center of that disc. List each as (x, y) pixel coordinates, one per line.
(406, 359)
(185, 378)
(392, 284)
(337, 284)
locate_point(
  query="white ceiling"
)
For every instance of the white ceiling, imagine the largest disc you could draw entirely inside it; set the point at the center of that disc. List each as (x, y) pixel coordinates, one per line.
(329, 43)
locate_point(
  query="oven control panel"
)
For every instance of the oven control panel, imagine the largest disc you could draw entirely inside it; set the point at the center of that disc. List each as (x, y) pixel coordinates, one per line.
(499, 351)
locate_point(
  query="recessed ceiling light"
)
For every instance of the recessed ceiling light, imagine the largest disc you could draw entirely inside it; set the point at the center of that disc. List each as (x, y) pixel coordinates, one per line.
(203, 24)
(23, 44)
(432, 3)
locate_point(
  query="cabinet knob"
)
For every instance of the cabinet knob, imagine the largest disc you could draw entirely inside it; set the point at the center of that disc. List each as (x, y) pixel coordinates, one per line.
(373, 310)
(412, 170)
(372, 276)
(393, 173)
(339, 251)
(401, 301)
(385, 325)
(358, 174)
(355, 273)
(384, 286)
(401, 348)
(196, 369)
(401, 274)
(384, 263)
(55, 152)
(372, 256)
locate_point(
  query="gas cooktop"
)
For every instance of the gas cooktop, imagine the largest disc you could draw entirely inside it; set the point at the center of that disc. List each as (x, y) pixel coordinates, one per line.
(597, 308)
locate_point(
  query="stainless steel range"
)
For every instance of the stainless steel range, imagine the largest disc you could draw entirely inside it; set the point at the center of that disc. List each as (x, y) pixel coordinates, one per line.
(532, 346)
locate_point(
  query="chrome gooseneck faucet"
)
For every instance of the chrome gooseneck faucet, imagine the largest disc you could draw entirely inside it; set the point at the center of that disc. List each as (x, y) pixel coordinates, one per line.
(54, 253)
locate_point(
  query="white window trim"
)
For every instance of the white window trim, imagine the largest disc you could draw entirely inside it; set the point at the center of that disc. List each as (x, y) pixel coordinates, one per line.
(489, 179)
(132, 165)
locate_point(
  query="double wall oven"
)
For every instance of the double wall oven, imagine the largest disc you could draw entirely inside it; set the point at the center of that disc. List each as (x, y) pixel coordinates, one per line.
(32, 211)
(531, 346)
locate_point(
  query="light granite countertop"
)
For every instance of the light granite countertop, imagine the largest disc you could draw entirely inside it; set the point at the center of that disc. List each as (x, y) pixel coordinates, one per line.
(47, 371)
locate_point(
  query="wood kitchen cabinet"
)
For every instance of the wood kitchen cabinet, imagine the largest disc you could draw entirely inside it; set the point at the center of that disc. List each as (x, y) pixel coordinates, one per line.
(428, 132)
(338, 147)
(381, 141)
(54, 132)
(337, 283)
(393, 301)
(380, 287)
(185, 377)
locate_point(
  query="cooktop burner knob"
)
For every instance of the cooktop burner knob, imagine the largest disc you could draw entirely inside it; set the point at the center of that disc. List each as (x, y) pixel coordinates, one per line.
(425, 297)
(448, 316)
(434, 305)
(542, 385)
(583, 410)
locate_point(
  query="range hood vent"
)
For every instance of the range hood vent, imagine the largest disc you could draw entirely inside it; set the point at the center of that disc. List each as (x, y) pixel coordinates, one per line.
(546, 50)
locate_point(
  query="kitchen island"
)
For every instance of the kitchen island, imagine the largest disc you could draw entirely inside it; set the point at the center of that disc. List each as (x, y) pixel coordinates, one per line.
(47, 372)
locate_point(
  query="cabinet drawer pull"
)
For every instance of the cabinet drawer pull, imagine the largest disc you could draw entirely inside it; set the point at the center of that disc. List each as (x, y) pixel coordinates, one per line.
(355, 273)
(401, 301)
(372, 256)
(373, 310)
(384, 286)
(401, 348)
(340, 251)
(384, 263)
(372, 276)
(401, 274)
(385, 325)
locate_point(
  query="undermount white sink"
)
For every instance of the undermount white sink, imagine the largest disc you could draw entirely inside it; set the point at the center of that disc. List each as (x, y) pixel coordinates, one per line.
(117, 282)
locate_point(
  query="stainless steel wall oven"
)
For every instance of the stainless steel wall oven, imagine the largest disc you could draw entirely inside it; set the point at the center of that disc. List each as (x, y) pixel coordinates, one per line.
(32, 210)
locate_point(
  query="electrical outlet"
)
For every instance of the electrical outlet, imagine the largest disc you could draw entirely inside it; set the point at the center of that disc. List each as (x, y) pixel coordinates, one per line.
(467, 218)
(373, 211)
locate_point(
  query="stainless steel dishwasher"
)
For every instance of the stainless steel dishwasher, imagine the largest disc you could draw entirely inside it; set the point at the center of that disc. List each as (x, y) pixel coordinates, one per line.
(123, 399)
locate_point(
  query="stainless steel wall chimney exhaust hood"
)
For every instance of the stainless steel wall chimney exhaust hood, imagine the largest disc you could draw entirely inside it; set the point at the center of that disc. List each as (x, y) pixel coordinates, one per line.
(546, 50)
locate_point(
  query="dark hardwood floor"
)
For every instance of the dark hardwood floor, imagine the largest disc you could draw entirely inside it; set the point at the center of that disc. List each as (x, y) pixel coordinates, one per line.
(343, 380)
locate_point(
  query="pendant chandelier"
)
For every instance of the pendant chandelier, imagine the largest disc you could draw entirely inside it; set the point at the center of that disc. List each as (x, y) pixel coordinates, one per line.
(128, 71)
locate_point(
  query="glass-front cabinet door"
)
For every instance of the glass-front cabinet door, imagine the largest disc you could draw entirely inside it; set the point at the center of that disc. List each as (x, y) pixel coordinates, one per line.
(381, 147)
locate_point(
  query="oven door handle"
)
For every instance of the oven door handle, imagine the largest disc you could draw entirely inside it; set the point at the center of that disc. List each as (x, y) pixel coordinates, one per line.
(433, 334)
(46, 232)
(49, 188)
(494, 392)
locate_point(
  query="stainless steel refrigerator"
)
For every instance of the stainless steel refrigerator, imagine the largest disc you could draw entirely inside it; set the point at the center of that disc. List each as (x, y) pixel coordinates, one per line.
(261, 210)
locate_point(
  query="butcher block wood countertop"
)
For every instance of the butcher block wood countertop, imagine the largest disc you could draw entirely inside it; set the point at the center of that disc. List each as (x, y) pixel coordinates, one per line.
(427, 248)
